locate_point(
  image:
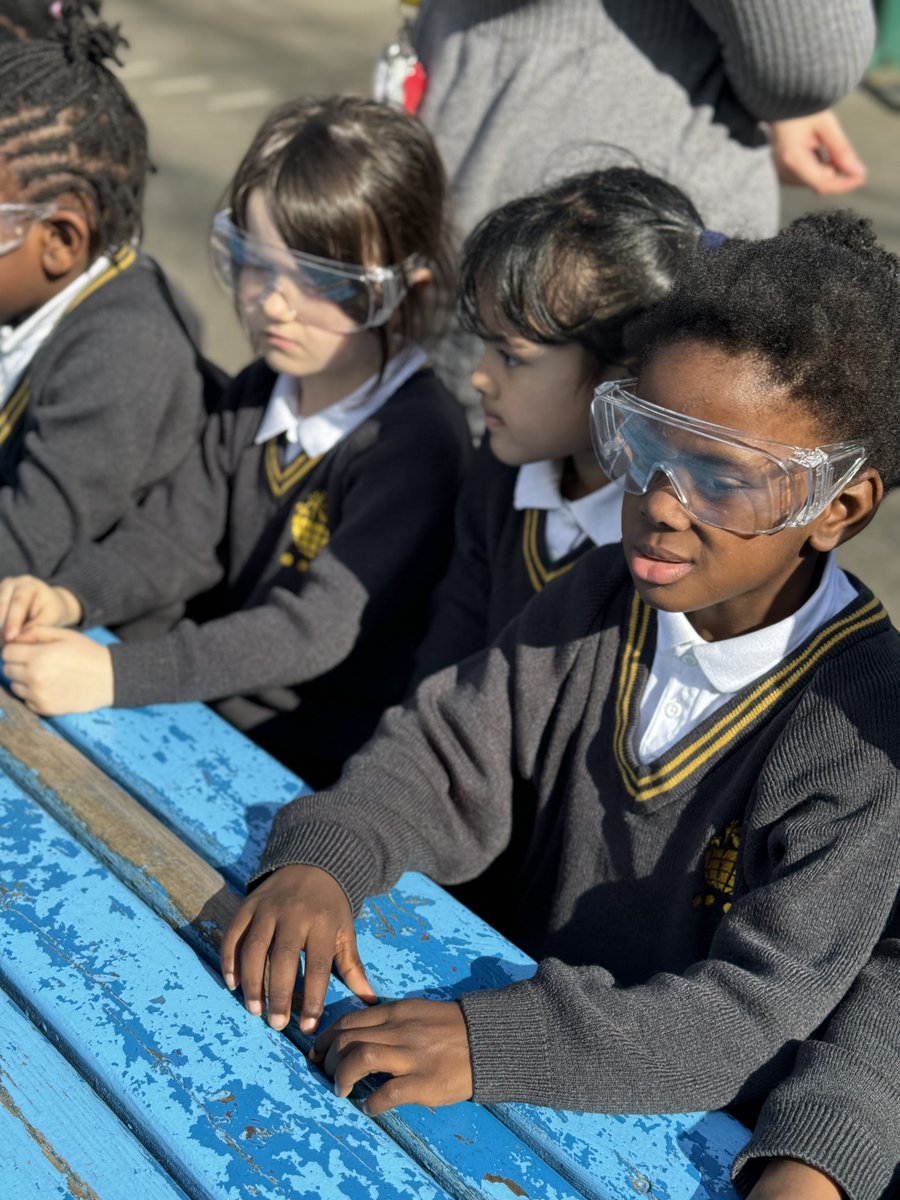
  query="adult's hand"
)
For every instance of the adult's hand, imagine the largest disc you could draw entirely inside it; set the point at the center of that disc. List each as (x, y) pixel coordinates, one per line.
(815, 152)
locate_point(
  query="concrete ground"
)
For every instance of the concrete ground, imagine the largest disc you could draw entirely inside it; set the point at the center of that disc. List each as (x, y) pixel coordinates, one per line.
(204, 72)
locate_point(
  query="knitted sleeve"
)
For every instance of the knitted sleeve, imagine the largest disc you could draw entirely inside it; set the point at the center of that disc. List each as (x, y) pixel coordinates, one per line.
(839, 1110)
(821, 874)
(788, 60)
(397, 498)
(433, 789)
(459, 619)
(116, 400)
(164, 549)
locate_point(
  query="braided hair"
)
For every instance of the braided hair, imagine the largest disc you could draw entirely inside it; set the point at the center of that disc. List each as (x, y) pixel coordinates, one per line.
(67, 125)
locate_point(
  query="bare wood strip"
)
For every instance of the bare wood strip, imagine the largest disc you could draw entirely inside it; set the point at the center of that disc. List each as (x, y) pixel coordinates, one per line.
(113, 825)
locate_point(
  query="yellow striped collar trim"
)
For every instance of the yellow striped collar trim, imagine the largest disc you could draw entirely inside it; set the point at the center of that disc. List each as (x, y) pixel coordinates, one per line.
(284, 479)
(12, 411)
(737, 717)
(125, 257)
(539, 574)
(15, 406)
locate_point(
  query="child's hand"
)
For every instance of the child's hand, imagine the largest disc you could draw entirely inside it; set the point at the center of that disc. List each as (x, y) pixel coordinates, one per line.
(786, 1179)
(25, 599)
(57, 671)
(423, 1044)
(296, 908)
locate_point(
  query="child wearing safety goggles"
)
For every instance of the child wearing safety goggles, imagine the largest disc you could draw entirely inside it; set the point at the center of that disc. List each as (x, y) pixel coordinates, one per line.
(549, 282)
(705, 722)
(101, 395)
(327, 476)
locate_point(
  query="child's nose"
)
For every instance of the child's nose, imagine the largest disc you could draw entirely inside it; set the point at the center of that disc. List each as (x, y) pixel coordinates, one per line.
(274, 305)
(660, 504)
(481, 380)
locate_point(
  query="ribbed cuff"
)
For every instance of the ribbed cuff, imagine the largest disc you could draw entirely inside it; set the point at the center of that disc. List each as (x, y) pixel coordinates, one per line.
(813, 1133)
(89, 587)
(320, 844)
(508, 1046)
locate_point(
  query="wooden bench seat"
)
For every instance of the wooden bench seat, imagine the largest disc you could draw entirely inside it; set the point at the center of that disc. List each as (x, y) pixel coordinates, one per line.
(58, 1137)
(219, 792)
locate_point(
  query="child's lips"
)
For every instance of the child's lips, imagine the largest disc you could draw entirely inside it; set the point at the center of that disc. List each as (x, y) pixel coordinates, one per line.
(279, 340)
(491, 420)
(655, 565)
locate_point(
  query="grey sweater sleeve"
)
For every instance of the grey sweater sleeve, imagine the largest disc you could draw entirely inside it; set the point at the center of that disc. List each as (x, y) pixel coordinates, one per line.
(789, 60)
(113, 393)
(396, 494)
(839, 1110)
(163, 549)
(433, 793)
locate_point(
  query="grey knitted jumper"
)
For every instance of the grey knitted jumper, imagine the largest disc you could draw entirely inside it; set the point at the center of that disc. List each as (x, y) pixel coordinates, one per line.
(500, 560)
(839, 1110)
(522, 91)
(108, 408)
(694, 915)
(325, 566)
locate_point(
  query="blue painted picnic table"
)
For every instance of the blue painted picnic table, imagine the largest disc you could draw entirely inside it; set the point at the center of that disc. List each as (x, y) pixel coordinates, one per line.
(128, 1070)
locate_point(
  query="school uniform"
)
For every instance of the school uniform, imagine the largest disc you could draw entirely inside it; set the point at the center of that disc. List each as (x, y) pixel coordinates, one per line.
(332, 532)
(695, 914)
(515, 533)
(101, 401)
(839, 1109)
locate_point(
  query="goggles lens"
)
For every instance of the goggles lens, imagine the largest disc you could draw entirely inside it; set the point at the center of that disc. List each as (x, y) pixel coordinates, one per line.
(319, 292)
(724, 478)
(16, 220)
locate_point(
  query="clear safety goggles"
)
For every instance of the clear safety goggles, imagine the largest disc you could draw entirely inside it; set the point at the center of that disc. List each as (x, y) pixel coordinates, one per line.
(321, 292)
(732, 480)
(17, 219)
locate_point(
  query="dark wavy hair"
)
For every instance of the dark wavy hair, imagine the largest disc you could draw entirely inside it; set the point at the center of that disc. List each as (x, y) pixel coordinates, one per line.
(359, 182)
(577, 261)
(68, 125)
(819, 306)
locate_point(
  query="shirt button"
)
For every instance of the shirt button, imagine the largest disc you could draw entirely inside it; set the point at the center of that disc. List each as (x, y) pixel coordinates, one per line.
(672, 709)
(690, 658)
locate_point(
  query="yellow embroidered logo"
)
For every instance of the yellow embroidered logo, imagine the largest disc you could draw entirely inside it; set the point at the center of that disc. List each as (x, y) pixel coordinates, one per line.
(719, 867)
(309, 530)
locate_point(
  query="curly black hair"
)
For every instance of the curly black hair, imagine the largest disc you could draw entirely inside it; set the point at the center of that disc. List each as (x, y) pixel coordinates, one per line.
(67, 125)
(819, 306)
(577, 261)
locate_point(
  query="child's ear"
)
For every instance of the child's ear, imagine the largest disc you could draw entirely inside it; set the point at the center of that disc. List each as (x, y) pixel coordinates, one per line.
(849, 513)
(66, 243)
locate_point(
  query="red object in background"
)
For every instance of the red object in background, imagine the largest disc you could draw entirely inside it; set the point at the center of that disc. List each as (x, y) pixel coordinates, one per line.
(414, 87)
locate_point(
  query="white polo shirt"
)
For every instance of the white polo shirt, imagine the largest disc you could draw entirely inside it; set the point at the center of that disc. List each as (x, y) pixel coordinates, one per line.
(690, 678)
(319, 433)
(20, 343)
(597, 516)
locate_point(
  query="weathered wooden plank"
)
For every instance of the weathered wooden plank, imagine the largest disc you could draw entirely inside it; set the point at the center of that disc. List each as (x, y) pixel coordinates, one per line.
(466, 1148)
(416, 941)
(58, 1137)
(226, 1106)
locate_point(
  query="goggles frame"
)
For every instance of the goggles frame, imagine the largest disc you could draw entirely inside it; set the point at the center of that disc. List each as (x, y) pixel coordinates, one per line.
(385, 287)
(26, 214)
(814, 476)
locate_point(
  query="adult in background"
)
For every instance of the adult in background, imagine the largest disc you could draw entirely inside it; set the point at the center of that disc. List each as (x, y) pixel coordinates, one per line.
(521, 92)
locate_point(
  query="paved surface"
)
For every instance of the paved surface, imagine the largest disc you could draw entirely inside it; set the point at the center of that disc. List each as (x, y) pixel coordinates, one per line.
(204, 72)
